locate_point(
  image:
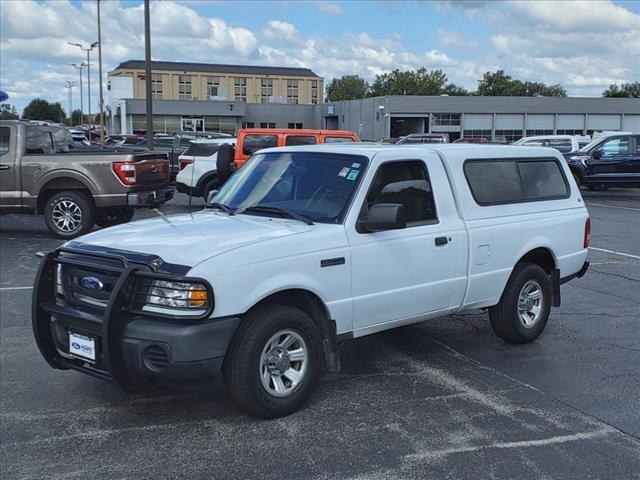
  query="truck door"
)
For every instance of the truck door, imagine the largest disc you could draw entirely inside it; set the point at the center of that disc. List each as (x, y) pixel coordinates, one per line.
(616, 158)
(9, 191)
(408, 273)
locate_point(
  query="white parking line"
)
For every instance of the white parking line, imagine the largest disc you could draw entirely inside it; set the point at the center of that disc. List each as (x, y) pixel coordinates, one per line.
(15, 288)
(615, 253)
(612, 206)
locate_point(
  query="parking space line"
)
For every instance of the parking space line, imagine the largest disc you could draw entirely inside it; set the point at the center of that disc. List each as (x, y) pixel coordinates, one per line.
(612, 206)
(615, 252)
(15, 288)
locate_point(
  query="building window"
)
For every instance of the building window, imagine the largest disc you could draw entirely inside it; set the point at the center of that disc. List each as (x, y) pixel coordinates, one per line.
(445, 119)
(267, 125)
(292, 91)
(184, 87)
(156, 86)
(212, 86)
(534, 133)
(266, 89)
(248, 125)
(478, 133)
(314, 92)
(508, 136)
(295, 126)
(240, 88)
(569, 132)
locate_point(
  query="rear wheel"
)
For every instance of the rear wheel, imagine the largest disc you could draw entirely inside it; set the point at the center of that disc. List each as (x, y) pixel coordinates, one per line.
(69, 214)
(108, 217)
(208, 187)
(273, 362)
(523, 311)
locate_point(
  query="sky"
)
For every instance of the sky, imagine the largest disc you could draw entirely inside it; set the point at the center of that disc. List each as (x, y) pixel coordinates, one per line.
(583, 45)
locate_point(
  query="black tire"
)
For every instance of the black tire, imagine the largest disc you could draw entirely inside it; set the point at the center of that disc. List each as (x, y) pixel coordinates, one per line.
(224, 162)
(211, 184)
(505, 316)
(76, 202)
(108, 217)
(242, 365)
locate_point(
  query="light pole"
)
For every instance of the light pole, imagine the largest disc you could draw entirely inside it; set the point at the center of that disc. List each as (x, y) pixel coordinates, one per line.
(147, 72)
(69, 86)
(102, 125)
(80, 67)
(88, 50)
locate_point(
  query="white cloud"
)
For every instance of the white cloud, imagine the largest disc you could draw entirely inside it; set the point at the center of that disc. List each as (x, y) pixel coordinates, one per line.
(436, 58)
(332, 8)
(280, 31)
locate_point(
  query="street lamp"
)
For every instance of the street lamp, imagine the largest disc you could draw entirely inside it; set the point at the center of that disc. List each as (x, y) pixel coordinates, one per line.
(69, 86)
(87, 49)
(80, 67)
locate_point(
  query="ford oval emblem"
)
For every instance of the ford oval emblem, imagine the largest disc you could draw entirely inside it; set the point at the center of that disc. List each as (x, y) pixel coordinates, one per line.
(91, 283)
(75, 345)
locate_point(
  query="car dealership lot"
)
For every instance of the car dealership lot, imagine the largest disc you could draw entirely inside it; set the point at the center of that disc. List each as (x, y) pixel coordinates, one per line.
(443, 398)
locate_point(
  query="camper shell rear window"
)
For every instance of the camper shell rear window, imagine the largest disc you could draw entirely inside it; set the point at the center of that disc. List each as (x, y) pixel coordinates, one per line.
(515, 180)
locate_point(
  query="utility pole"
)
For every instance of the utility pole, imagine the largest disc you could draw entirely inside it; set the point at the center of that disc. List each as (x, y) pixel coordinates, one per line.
(88, 50)
(147, 70)
(102, 125)
(80, 67)
(69, 86)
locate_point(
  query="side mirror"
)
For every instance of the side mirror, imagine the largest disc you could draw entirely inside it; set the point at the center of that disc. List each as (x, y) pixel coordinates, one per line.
(211, 195)
(384, 216)
(597, 154)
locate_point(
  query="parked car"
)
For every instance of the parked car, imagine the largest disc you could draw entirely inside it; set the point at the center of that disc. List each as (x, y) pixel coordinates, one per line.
(562, 143)
(232, 154)
(198, 167)
(424, 138)
(75, 188)
(309, 246)
(471, 140)
(611, 160)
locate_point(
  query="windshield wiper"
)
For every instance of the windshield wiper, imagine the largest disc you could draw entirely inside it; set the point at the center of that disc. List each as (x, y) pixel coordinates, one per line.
(281, 211)
(221, 206)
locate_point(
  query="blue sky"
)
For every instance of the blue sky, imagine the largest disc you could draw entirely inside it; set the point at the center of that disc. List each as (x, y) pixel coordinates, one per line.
(584, 45)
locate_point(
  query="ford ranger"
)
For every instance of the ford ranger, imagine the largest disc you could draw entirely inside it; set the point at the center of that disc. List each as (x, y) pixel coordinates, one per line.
(306, 247)
(75, 188)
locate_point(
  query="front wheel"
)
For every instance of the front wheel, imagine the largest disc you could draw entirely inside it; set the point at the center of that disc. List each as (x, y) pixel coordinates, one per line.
(523, 311)
(273, 362)
(69, 214)
(108, 217)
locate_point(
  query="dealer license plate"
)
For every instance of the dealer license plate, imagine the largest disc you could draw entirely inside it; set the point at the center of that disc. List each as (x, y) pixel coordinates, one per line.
(82, 346)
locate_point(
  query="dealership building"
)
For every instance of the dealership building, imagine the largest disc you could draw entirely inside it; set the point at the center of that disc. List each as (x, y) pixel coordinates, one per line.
(191, 96)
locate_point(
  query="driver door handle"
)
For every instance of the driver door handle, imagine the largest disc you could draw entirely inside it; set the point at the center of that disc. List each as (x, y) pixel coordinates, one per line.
(441, 241)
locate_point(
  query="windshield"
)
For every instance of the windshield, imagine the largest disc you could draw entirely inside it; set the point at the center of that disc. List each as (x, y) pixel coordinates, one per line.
(318, 186)
(591, 144)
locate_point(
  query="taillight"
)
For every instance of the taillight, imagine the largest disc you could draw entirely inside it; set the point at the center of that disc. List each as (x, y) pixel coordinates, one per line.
(184, 163)
(126, 172)
(587, 233)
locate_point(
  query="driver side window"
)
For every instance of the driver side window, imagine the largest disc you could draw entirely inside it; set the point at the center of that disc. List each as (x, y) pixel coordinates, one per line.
(407, 183)
(615, 146)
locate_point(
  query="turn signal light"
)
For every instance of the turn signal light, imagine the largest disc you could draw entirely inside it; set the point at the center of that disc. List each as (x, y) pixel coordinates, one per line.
(126, 172)
(184, 163)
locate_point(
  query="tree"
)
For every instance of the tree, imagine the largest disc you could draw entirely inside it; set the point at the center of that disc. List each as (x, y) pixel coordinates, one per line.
(76, 117)
(40, 109)
(498, 83)
(8, 112)
(414, 82)
(347, 87)
(628, 90)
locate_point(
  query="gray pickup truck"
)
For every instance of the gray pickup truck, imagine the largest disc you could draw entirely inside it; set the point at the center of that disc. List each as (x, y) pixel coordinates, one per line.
(75, 188)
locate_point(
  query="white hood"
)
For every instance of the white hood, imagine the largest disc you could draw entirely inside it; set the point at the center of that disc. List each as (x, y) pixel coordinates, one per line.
(192, 238)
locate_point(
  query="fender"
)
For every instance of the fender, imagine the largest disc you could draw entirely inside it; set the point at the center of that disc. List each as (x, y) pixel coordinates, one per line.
(61, 174)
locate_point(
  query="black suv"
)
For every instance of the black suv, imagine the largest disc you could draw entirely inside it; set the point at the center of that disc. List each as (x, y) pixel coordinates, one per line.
(611, 161)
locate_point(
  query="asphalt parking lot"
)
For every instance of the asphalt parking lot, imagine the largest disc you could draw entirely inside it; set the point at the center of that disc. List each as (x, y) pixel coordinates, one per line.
(443, 399)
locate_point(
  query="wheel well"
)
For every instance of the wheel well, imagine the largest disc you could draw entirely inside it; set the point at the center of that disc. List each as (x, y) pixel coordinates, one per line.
(540, 256)
(58, 185)
(206, 179)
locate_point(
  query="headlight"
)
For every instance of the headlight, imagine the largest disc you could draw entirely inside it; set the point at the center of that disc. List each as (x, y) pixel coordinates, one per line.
(180, 295)
(59, 289)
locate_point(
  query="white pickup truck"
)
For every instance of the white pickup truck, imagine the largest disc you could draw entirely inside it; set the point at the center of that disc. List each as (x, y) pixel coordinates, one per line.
(306, 247)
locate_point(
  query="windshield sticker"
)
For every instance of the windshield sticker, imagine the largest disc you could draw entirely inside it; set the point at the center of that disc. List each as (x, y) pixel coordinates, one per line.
(355, 165)
(353, 174)
(343, 172)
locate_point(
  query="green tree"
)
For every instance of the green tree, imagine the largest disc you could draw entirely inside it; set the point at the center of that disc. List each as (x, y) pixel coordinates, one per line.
(628, 90)
(76, 117)
(347, 87)
(498, 83)
(40, 109)
(414, 82)
(8, 112)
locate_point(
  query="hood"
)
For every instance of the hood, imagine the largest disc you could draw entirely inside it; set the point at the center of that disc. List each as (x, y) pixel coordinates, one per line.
(189, 239)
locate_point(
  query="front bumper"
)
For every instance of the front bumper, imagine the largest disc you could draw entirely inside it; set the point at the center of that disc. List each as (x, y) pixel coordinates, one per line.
(131, 349)
(145, 199)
